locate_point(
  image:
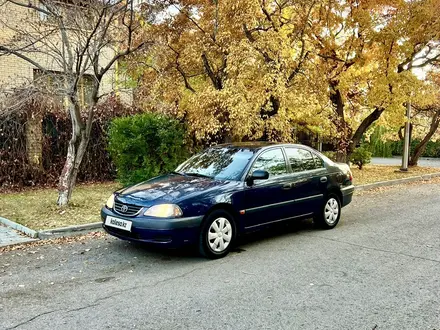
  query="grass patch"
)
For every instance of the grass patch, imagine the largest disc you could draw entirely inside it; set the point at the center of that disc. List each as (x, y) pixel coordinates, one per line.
(377, 173)
(37, 209)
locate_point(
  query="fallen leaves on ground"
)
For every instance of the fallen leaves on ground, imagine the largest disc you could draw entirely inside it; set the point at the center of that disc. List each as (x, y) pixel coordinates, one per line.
(378, 173)
(30, 247)
(380, 190)
(37, 209)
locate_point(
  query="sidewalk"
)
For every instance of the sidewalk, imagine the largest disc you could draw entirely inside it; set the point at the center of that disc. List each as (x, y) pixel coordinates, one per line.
(10, 236)
(423, 161)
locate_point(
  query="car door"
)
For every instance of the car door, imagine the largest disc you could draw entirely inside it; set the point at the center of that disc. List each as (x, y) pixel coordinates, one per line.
(267, 200)
(308, 180)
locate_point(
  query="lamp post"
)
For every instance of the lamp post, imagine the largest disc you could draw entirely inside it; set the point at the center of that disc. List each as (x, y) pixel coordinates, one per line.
(405, 156)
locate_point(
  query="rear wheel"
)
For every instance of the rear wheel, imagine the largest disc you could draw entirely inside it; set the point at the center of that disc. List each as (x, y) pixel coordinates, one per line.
(330, 213)
(217, 235)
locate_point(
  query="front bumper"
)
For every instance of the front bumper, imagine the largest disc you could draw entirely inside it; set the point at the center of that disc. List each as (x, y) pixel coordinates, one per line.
(347, 195)
(162, 232)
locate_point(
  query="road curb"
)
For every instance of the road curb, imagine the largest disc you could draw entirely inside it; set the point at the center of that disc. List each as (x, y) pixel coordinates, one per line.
(396, 182)
(49, 233)
(25, 230)
(97, 226)
(31, 240)
(69, 231)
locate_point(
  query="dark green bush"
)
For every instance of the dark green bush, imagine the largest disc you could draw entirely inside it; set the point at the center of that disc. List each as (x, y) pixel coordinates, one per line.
(360, 156)
(378, 147)
(330, 154)
(432, 148)
(381, 148)
(146, 145)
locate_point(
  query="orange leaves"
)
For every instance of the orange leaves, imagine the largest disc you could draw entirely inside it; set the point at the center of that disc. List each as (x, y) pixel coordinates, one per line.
(218, 64)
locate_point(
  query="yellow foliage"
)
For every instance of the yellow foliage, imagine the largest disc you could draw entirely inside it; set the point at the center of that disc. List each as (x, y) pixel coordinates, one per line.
(237, 70)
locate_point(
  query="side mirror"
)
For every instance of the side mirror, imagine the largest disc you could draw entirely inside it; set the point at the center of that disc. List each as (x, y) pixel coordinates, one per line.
(257, 175)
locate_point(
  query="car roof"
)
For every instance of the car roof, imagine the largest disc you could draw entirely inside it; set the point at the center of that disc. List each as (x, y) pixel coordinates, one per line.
(256, 145)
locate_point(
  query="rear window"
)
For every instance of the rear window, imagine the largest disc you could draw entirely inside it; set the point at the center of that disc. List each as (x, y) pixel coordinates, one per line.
(318, 161)
(303, 160)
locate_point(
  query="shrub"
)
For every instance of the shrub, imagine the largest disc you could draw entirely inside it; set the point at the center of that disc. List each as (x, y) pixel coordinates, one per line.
(360, 156)
(145, 145)
(16, 171)
(377, 146)
(330, 154)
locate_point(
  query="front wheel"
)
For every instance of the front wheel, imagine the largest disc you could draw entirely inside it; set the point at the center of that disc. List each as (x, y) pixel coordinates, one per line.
(330, 213)
(217, 235)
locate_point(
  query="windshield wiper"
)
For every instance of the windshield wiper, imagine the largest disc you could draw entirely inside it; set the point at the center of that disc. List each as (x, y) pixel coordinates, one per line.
(198, 175)
(178, 173)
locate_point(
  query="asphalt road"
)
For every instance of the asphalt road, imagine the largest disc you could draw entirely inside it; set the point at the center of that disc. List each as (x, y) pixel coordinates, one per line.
(426, 162)
(379, 269)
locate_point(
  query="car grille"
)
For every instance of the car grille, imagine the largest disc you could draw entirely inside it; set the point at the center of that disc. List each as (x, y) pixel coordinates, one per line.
(126, 209)
(122, 233)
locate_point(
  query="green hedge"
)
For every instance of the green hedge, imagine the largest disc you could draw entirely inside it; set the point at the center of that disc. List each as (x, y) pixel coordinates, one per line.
(395, 148)
(146, 145)
(380, 148)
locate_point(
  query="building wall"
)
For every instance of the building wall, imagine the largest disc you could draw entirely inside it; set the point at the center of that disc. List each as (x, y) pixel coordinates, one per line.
(15, 72)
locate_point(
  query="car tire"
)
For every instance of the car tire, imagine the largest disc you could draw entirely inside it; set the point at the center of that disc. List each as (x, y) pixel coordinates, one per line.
(217, 235)
(330, 213)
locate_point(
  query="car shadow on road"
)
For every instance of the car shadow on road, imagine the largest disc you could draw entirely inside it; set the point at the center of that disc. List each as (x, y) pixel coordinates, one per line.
(274, 232)
(245, 242)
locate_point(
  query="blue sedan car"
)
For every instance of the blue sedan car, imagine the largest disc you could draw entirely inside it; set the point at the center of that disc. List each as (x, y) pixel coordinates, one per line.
(229, 190)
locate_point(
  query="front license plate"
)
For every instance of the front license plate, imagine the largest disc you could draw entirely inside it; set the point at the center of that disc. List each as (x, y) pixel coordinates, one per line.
(118, 223)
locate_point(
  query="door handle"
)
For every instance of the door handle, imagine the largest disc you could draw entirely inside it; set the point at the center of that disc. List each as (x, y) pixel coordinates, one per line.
(287, 186)
(323, 179)
(299, 182)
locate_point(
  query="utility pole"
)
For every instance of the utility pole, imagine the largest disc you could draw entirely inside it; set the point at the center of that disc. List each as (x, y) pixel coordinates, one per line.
(405, 156)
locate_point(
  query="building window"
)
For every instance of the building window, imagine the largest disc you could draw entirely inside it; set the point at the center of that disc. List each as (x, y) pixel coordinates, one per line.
(54, 84)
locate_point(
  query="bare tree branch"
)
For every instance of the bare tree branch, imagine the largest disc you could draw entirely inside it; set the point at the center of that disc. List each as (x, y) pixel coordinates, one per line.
(180, 70)
(9, 51)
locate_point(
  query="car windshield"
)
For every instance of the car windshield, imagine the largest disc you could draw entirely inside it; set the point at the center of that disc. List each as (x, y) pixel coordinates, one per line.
(218, 163)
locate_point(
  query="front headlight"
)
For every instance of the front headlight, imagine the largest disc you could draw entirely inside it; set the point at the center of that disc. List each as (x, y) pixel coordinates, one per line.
(110, 201)
(164, 211)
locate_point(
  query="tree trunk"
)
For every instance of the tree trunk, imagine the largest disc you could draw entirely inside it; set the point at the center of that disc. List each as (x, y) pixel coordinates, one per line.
(338, 120)
(341, 156)
(75, 154)
(418, 151)
(267, 111)
(76, 149)
(420, 148)
(363, 127)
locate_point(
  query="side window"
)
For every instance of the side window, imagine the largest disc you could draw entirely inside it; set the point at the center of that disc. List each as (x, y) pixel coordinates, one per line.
(307, 160)
(295, 159)
(318, 161)
(271, 161)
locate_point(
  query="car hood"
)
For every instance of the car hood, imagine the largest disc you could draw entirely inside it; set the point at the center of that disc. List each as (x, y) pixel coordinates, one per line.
(170, 188)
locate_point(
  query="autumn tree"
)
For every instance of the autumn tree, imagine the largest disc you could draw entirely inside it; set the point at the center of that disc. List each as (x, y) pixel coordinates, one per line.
(255, 69)
(426, 118)
(66, 42)
(365, 51)
(231, 69)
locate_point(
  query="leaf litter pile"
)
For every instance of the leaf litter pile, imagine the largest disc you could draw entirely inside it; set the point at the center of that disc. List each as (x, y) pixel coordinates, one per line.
(380, 190)
(28, 247)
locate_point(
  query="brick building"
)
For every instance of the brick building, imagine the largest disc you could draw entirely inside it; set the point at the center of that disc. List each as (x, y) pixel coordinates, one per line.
(16, 72)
